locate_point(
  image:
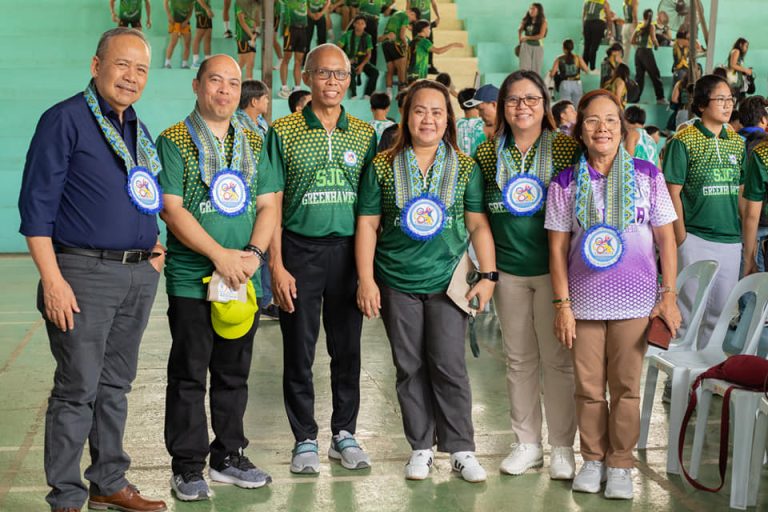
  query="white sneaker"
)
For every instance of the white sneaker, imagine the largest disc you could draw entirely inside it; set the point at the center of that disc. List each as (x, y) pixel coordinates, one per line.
(590, 477)
(284, 92)
(468, 466)
(524, 456)
(562, 465)
(619, 484)
(419, 465)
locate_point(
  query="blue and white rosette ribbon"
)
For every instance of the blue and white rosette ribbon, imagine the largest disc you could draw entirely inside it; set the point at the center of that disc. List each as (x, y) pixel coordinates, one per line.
(144, 190)
(602, 247)
(423, 217)
(524, 195)
(229, 193)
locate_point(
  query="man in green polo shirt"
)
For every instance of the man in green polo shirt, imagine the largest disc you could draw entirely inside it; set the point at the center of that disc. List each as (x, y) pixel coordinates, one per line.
(129, 13)
(318, 155)
(220, 209)
(703, 169)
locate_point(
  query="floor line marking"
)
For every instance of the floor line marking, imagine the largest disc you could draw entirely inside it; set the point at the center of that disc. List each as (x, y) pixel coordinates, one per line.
(20, 347)
(6, 483)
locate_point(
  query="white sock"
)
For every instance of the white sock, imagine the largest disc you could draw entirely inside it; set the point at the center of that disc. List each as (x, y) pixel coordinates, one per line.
(195, 60)
(226, 25)
(167, 62)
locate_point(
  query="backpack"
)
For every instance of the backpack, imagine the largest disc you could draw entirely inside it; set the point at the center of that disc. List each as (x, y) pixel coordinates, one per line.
(633, 91)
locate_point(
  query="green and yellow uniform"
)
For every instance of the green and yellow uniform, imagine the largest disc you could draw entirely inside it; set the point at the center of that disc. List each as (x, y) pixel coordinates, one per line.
(181, 10)
(395, 23)
(644, 39)
(710, 169)
(470, 134)
(130, 10)
(594, 10)
(356, 47)
(405, 264)
(295, 13)
(418, 65)
(319, 172)
(240, 33)
(180, 176)
(316, 5)
(372, 7)
(424, 7)
(199, 11)
(756, 175)
(522, 248)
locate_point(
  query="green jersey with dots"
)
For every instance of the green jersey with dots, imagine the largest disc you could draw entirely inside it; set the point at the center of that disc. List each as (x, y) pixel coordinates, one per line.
(756, 176)
(130, 10)
(470, 134)
(424, 7)
(408, 265)
(709, 168)
(522, 247)
(180, 176)
(295, 13)
(319, 172)
(181, 9)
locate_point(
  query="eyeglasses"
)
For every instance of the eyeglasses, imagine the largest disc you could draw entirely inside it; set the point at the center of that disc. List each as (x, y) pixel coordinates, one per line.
(528, 101)
(325, 74)
(722, 100)
(593, 123)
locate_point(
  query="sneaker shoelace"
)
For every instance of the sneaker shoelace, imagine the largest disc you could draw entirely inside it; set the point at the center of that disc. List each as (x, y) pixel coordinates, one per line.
(592, 465)
(191, 476)
(240, 462)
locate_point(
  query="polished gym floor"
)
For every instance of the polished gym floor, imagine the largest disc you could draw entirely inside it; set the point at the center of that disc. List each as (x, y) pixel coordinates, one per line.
(26, 369)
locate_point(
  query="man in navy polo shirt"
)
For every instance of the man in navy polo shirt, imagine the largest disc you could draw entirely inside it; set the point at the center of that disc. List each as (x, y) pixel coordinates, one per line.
(88, 206)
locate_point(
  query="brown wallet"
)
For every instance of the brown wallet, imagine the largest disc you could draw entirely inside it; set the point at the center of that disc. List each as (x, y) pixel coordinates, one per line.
(659, 334)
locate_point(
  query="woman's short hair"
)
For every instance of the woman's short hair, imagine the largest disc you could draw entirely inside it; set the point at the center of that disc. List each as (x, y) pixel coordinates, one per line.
(703, 90)
(752, 110)
(585, 102)
(547, 121)
(635, 115)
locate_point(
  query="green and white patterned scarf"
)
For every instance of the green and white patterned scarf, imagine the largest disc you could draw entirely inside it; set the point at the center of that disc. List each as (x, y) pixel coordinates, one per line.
(619, 194)
(542, 164)
(440, 181)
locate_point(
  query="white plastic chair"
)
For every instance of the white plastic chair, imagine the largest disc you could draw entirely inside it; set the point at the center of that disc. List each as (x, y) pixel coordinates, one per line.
(684, 366)
(758, 453)
(704, 272)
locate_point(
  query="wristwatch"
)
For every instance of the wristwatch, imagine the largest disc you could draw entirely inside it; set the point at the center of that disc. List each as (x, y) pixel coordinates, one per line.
(491, 276)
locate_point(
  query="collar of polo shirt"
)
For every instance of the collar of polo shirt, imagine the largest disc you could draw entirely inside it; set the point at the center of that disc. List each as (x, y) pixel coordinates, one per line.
(313, 122)
(703, 129)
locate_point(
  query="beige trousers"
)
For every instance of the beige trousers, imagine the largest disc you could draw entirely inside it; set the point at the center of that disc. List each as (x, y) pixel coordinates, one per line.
(609, 351)
(535, 360)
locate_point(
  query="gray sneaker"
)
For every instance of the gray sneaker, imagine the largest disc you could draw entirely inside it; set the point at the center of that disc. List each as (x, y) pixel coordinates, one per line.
(190, 486)
(305, 459)
(344, 448)
(590, 477)
(237, 469)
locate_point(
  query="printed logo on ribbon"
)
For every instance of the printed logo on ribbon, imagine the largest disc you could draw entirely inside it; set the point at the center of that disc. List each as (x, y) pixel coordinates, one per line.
(603, 247)
(229, 194)
(524, 195)
(144, 190)
(423, 218)
(350, 158)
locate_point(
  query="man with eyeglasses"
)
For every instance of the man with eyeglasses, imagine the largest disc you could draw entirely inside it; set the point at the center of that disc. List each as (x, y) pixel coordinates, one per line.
(703, 167)
(318, 155)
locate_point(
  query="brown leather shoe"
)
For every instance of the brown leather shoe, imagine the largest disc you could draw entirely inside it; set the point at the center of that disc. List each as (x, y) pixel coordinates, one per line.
(127, 499)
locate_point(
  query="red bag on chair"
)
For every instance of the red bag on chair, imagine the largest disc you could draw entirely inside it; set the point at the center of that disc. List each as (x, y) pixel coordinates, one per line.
(744, 372)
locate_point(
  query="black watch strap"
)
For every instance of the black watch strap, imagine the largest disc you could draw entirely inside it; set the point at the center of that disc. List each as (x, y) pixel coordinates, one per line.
(491, 276)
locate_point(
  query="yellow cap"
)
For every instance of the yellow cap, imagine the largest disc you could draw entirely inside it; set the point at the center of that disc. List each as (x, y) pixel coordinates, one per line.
(232, 320)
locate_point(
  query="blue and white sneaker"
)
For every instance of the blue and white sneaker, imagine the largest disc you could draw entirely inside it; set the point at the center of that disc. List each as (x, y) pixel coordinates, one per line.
(238, 470)
(190, 486)
(305, 459)
(345, 449)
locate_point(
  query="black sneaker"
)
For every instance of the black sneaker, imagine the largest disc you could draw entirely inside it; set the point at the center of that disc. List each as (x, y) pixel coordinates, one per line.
(227, 34)
(237, 469)
(270, 312)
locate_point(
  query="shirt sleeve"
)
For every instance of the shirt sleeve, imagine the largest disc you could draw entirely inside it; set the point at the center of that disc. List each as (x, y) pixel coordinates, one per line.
(755, 179)
(676, 162)
(473, 196)
(662, 211)
(369, 194)
(275, 154)
(267, 182)
(559, 215)
(171, 178)
(425, 44)
(45, 173)
(743, 166)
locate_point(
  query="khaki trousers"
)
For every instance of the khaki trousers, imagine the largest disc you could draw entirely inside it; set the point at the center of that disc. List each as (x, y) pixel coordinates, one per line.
(609, 351)
(535, 360)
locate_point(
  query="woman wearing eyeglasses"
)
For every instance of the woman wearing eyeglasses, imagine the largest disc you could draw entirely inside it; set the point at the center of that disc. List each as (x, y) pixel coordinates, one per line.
(604, 216)
(427, 198)
(703, 165)
(517, 166)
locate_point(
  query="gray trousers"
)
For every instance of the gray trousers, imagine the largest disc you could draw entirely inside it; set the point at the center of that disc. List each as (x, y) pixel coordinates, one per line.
(427, 333)
(531, 57)
(95, 365)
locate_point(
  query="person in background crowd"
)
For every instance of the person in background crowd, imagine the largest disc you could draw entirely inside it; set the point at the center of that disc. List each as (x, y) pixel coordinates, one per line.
(566, 71)
(736, 69)
(95, 244)
(179, 13)
(469, 129)
(703, 166)
(405, 269)
(425, 8)
(564, 114)
(254, 105)
(614, 57)
(618, 84)
(485, 101)
(295, 43)
(421, 47)
(379, 109)
(645, 60)
(298, 100)
(247, 26)
(753, 114)
(371, 11)
(445, 79)
(203, 29)
(594, 17)
(631, 17)
(680, 99)
(605, 282)
(225, 17)
(662, 30)
(517, 166)
(389, 136)
(129, 13)
(680, 54)
(395, 46)
(531, 34)
(754, 117)
(348, 10)
(316, 20)
(637, 141)
(357, 44)
(654, 133)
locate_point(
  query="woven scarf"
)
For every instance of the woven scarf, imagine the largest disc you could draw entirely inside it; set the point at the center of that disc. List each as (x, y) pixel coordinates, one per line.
(146, 153)
(250, 124)
(619, 194)
(211, 155)
(542, 163)
(440, 181)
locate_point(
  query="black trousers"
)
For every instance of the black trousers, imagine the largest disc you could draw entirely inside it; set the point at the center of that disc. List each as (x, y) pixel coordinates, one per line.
(322, 30)
(372, 74)
(645, 62)
(372, 27)
(196, 351)
(594, 30)
(326, 280)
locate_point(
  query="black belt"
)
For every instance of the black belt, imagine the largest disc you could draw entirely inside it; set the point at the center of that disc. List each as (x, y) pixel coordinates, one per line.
(123, 257)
